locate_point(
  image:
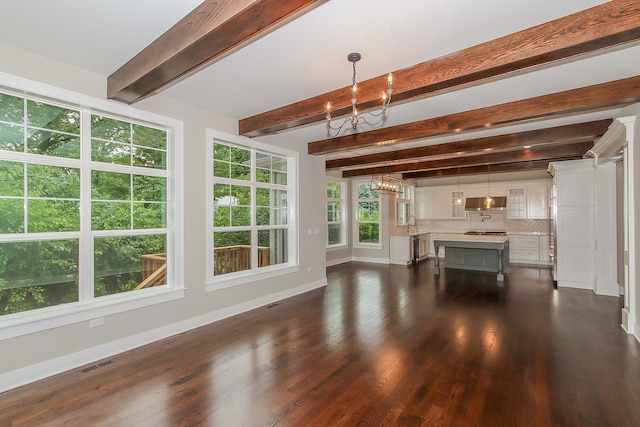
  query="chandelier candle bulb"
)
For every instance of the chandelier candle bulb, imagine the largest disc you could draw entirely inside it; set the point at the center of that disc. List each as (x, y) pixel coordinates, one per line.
(385, 184)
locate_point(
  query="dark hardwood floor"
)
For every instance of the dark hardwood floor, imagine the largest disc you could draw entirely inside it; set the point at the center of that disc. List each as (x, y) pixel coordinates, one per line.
(379, 346)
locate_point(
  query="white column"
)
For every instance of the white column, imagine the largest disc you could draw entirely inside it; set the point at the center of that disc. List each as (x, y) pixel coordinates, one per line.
(606, 247)
(633, 181)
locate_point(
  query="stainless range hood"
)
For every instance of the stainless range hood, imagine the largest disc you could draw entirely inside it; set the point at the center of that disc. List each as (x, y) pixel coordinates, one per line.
(480, 204)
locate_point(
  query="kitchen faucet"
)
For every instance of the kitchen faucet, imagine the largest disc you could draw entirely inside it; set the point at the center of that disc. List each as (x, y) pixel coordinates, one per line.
(409, 222)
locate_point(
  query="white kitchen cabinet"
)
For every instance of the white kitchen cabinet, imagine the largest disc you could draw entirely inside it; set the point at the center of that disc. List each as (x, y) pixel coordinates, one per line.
(537, 202)
(529, 249)
(400, 250)
(424, 203)
(524, 249)
(545, 251)
(423, 245)
(528, 202)
(576, 231)
(444, 205)
(517, 203)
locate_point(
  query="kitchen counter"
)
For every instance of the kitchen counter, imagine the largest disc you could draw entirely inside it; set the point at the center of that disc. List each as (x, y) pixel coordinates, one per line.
(474, 252)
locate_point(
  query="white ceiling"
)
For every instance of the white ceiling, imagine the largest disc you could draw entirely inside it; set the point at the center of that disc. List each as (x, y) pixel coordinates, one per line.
(307, 56)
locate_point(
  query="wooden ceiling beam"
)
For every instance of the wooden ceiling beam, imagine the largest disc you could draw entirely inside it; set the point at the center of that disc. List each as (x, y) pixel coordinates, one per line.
(523, 155)
(589, 131)
(586, 99)
(494, 168)
(211, 31)
(604, 26)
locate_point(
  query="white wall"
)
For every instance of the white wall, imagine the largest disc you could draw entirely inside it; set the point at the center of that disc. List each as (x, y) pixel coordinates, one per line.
(29, 357)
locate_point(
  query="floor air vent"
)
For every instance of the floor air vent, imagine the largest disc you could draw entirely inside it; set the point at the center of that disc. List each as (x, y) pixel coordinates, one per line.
(94, 367)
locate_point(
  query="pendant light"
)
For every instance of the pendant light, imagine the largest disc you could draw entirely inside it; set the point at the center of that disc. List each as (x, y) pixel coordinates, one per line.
(488, 201)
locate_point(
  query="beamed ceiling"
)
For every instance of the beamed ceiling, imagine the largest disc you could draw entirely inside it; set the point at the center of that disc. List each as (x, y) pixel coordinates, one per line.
(497, 86)
(607, 26)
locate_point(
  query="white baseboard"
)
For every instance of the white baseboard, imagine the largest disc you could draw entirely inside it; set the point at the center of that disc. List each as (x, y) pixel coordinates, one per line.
(575, 285)
(338, 261)
(629, 325)
(371, 260)
(607, 288)
(52, 367)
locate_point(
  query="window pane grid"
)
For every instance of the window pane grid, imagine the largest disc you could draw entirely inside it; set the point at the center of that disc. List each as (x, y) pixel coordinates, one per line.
(250, 209)
(121, 142)
(41, 176)
(37, 127)
(404, 205)
(368, 215)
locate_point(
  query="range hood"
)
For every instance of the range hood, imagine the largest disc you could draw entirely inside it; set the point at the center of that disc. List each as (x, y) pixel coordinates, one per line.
(480, 204)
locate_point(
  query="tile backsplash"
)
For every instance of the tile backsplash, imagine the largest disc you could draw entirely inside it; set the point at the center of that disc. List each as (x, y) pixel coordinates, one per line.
(496, 221)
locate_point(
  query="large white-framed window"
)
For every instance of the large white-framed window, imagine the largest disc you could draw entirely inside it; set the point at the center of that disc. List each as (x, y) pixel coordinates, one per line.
(367, 216)
(252, 201)
(336, 213)
(404, 205)
(89, 212)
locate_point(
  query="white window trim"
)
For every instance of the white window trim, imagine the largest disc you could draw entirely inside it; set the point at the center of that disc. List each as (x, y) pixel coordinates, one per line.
(356, 222)
(215, 283)
(18, 324)
(343, 212)
(409, 202)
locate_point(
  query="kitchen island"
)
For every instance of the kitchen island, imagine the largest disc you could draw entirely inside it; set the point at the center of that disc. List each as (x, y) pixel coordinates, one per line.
(474, 252)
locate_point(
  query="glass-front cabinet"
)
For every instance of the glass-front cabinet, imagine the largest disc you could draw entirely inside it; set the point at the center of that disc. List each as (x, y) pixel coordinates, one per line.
(530, 202)
(516, 203)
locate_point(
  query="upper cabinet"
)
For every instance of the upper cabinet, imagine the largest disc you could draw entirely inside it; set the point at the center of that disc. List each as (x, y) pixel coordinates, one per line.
(525, 199)
(432, 203)
(538, 202)
(528, 201)
(445, 206)
(517, 203)
(424, 203)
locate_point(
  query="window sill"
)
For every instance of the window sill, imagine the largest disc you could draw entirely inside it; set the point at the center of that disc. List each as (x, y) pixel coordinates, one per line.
(67, 314)
(367, 245)
(236, 279)
(336, 247)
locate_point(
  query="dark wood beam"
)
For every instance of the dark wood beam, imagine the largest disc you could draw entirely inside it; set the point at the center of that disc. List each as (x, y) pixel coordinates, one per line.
(523, 155)
(211, 31)
(587, 99)
(482, 169)
(589, 131)
(610, 24)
